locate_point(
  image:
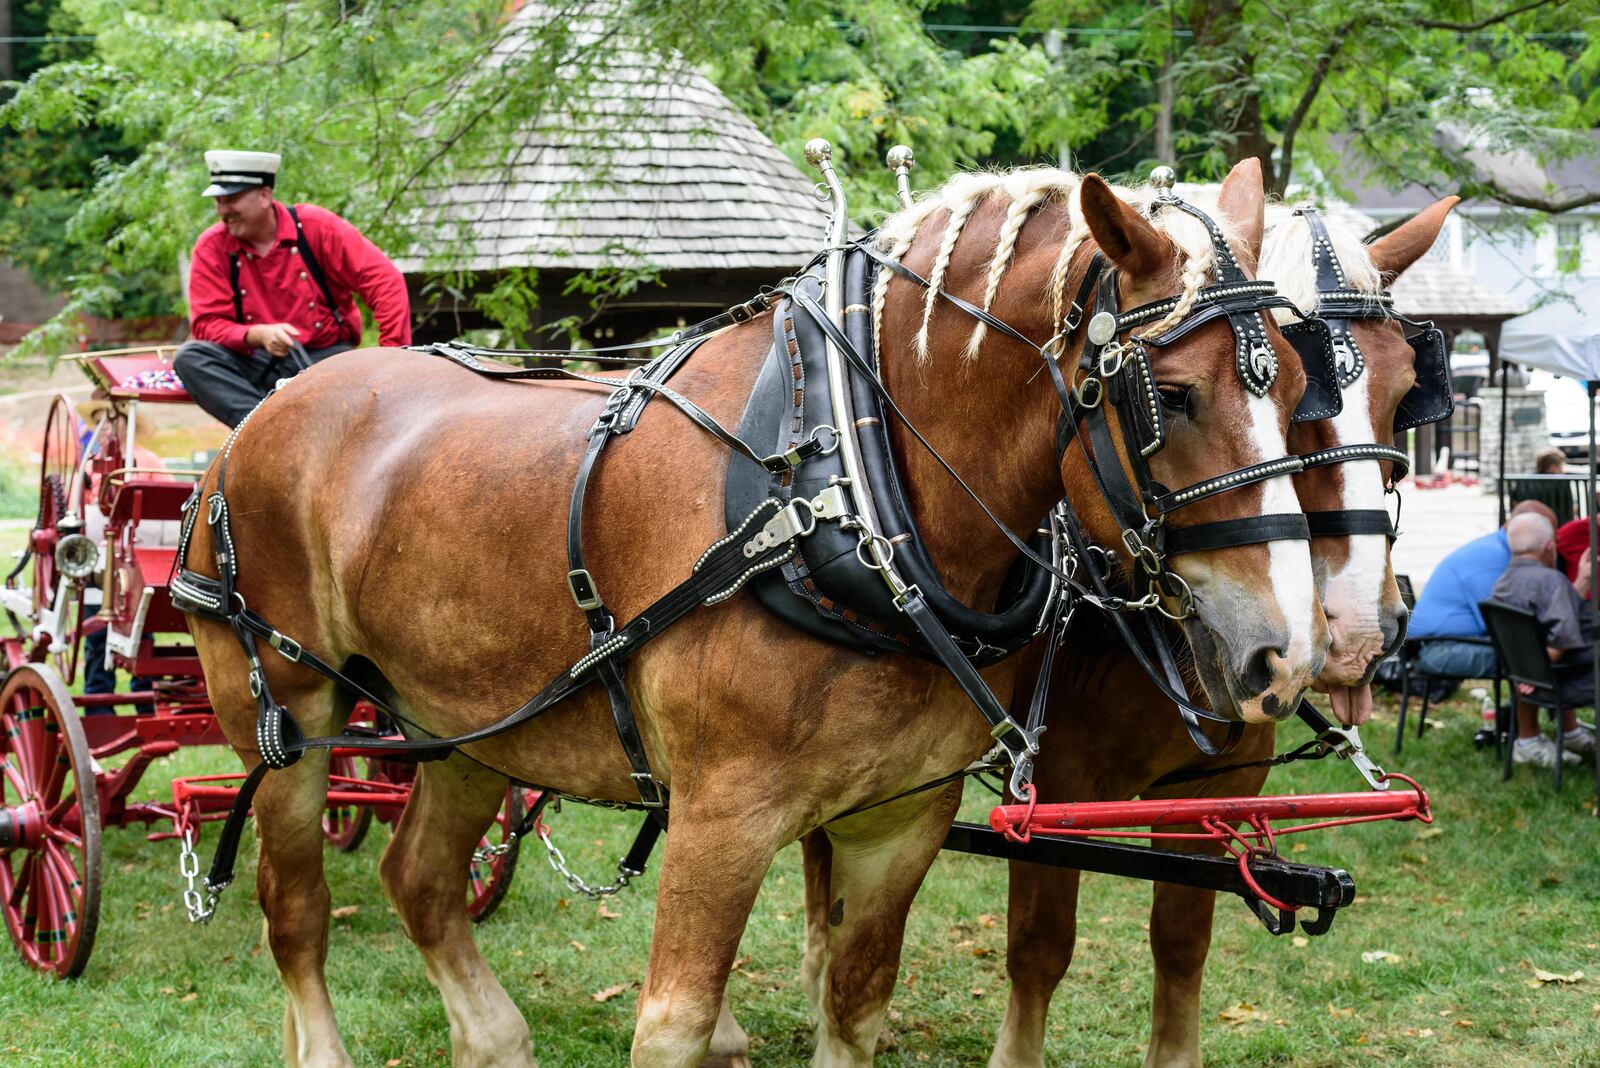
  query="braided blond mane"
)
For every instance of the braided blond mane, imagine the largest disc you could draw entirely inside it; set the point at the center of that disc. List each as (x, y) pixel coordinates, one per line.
(1025, 190)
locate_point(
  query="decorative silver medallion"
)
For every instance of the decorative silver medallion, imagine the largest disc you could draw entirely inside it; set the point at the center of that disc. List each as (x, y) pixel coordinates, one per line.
(1347, 358)
(1257, 362)
(1102, 328)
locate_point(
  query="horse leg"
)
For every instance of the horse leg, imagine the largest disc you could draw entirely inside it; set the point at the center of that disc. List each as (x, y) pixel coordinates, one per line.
(424, 872)
(1180, 938)
(289, 882)
(711, 870)
(1041, 931)
(817, 851)
(878, 861)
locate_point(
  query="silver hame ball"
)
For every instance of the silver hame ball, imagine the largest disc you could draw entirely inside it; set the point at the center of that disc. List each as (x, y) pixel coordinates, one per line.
(817, 150)
(900, 156)
(1163, 177)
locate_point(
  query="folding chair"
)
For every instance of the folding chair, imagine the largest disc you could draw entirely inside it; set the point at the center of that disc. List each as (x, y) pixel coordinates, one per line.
(1519, 641)
(1407, 655)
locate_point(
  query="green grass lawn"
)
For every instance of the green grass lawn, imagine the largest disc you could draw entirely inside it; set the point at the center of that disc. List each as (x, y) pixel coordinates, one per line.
(1507, 881)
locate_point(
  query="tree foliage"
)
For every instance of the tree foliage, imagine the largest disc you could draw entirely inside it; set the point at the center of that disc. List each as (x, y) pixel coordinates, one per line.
(370, 100)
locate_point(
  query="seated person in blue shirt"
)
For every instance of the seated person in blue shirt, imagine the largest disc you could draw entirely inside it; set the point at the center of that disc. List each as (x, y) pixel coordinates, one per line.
(1532, 583)
(1447, 608)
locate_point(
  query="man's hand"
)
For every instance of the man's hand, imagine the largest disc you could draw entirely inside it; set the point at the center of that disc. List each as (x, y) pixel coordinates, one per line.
(276, 338)
(1585, 580)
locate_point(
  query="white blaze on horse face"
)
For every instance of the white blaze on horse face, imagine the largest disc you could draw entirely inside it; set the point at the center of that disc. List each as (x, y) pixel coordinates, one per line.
(1354, 595)
(1289, 572)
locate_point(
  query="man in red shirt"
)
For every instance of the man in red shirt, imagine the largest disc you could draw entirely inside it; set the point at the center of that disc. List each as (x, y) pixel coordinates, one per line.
(272, 289)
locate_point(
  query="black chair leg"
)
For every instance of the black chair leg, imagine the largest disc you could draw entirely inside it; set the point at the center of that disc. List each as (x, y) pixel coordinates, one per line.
(1561, 747)
(1400, 729)
(1422, 716)
(1501, 730)
(1511, 735)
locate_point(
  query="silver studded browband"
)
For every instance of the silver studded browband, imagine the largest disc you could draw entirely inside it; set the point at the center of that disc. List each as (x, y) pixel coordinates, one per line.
(1152, 312)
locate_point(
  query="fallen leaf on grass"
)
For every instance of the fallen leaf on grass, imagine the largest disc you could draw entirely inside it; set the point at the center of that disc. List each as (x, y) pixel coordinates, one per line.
(1336, 1011)
(1447, 1012)
(1241, 1014)
(608, 993)
(1431, 832)
(607, 914)
(1300, 941)
(977, 992)
(1383, 956)
(166, 990)
(1299, 847)
(985, 920)
(1463, 1023)
(1542, 977)
(392, 1062)
(577, 945)
(345, 911)
(190, 996)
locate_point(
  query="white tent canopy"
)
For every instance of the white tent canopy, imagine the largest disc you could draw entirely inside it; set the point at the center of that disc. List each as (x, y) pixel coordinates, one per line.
(1563, 337)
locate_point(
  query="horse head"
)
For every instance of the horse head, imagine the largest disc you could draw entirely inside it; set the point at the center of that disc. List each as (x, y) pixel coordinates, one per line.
(1255, 627)
(1375, 361)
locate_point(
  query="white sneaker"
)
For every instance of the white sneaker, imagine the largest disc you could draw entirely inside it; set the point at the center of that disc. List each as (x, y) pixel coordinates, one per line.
(1580, 742)
(1541, 753)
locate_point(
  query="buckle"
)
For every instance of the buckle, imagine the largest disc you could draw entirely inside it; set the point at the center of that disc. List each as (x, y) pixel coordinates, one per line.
(741, 313)
(286, 646)
(583, 592)
(651, 793)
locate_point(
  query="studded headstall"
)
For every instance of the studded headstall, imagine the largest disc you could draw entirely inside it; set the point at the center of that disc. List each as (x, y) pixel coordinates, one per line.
(1114, 370)
(1430, 399)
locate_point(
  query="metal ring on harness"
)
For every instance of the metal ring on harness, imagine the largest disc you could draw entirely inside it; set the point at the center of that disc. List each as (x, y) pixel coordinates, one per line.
(1080, 392)
(882, 550)
(1111, 358)
(1183, 594)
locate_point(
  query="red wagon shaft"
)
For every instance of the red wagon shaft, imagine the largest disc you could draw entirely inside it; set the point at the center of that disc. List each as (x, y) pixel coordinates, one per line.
(1243, 826)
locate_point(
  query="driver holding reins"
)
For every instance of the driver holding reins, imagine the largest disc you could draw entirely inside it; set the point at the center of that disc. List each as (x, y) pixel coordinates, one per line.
(272, 289)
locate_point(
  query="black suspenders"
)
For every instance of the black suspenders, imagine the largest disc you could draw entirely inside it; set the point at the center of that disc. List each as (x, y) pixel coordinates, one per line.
(313, 268)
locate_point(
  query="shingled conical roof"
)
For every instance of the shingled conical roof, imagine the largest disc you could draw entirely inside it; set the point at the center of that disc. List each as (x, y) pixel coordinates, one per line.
(654, 167)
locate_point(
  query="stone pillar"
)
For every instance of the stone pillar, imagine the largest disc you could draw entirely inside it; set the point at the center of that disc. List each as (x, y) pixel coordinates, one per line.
(1525, 433)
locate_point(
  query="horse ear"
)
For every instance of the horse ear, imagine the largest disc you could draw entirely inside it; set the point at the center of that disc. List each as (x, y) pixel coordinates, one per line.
(1123, 234)
(1405, 244)
(1244, 203)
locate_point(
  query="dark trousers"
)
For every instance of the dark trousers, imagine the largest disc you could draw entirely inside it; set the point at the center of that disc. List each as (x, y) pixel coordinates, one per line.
(228, 385)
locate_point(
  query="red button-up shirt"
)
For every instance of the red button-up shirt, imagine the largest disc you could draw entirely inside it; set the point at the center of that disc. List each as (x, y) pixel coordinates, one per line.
(277, 288)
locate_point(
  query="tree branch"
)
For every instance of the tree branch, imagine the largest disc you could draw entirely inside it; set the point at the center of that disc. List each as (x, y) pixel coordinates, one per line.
(1302, 107)
(1490, 20)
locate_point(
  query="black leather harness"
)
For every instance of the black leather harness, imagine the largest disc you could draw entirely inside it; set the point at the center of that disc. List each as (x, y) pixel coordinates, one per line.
(802, 508)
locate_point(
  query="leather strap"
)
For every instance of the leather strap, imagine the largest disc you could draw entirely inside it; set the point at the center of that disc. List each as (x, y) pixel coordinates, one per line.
(1246, 530)
(1350, 521)
(308, 256)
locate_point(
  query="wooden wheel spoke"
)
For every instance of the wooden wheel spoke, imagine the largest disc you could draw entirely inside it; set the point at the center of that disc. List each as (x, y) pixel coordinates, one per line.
(19, 887)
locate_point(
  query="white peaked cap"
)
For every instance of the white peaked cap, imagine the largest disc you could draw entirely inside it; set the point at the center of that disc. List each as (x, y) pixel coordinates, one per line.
(233, 171)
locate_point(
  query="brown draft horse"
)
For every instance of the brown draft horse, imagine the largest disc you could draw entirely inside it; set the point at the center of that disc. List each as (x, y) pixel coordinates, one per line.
(1102, 745)
(405, 518)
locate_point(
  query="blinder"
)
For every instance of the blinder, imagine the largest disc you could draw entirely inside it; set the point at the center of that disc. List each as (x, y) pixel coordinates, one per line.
(1313, 343)
(1432, 398)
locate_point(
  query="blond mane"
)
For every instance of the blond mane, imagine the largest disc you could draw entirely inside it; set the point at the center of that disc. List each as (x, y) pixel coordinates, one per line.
(1026, 190)
(1286, 257)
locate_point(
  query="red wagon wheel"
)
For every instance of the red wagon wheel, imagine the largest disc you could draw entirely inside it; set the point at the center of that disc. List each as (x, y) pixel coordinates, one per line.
(345, 826)
(490, 877)
(60, 455)
(49, 824)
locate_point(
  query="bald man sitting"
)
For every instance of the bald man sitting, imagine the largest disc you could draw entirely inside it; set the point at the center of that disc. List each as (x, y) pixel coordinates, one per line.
(1532, 583)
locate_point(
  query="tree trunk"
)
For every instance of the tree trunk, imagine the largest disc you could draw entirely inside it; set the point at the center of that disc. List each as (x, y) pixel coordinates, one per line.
(1165, 152)
(1219, 31)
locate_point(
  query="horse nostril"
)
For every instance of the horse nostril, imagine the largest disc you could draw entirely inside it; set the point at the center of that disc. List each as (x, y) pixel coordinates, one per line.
(1260, 667)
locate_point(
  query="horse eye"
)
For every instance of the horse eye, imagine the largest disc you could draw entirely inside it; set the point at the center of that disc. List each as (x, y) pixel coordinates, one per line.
(1177, 398)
